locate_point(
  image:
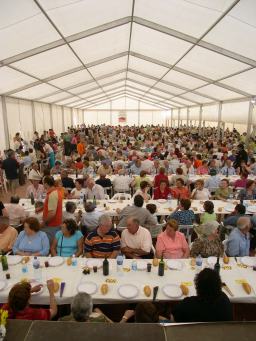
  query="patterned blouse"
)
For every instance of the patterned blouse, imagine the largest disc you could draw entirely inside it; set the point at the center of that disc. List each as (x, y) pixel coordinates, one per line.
(207, 248)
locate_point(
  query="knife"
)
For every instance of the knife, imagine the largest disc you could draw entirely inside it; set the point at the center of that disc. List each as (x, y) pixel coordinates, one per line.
(226, 288)
(235, 259)
(155, 291)
(62, 287)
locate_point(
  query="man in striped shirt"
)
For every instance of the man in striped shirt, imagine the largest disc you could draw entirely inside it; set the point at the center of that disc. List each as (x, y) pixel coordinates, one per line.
(103, 241)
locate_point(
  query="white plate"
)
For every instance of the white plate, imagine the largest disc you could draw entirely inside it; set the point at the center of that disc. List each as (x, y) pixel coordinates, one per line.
(249, 261)
(2, 285)
(128, 291)
(161, 201)
(212, 260)
(56, 261)
(94, 262)
(33, 284)
(174, 264)
(13, 260)
(89, 287)
(251, 209)
(141, 265)
(99, 209)
(172, 290)
(112, 201)
(229, 208)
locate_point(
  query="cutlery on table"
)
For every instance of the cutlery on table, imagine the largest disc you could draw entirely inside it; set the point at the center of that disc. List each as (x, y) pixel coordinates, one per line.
(226, 288)
(62, 287)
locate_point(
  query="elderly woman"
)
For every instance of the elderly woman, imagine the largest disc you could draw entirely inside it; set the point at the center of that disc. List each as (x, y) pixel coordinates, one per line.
(249, 192)
(209, 214)
(182, 214)
(209, 244)
(18, 302)
(162, 191)
(199, 192)
(143, 191)
(87, 169)
(78, 190)
(35, 188)
(203, 169)
(180, 191)
(241, 183)
(31, 241)
(68, 241)
(171, 243)
(160, 177)
(179, 175)
(82, 310)
(90, 219)
(70, 211)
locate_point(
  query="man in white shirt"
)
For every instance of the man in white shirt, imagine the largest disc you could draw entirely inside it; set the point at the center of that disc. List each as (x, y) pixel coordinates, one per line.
(93, 190)
(147, 165)
(174, 163)
(136, 241)
(16, 212)
(121, 182)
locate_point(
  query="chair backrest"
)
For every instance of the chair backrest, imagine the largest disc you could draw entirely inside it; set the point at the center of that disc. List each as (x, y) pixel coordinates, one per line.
(156, 230)
(187, 231)
(225, 244)
(122, 196)
(106, 196)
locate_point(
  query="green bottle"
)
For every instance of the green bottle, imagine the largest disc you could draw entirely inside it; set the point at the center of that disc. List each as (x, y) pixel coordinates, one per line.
(4, 262)
(105, 267)
(161, 267)
(94, 201)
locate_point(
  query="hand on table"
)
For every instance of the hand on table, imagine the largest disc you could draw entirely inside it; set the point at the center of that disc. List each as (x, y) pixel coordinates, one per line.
(129, 313)
(36, 288)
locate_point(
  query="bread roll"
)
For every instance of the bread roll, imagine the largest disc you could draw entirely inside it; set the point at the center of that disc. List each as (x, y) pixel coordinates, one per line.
(104, 289)
(184, 289)
(247, 288)
(147, 290)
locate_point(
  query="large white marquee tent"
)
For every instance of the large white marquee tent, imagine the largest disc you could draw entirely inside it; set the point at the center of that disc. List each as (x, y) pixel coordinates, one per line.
(172, 62)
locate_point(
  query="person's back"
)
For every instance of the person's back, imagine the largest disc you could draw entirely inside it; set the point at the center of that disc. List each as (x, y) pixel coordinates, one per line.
(142, 214)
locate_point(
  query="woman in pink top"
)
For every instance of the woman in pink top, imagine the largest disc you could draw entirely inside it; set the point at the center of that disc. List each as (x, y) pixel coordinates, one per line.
(171, 243)
(241, 183)
(203, 169)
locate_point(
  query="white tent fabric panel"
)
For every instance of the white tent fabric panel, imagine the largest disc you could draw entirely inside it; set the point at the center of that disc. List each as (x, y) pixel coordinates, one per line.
(244, 81)
(19, 118)
(112, 78)
(36, 91)
(32, 27)
(132, 118)
(57, 119)
(3, 138)
(147, 67)
(194, 113)
(210, 113)
(108, 43)
(184, 80)
(70, 15)
(210, 64)
(75, 117)
(10, 79)
(237, 25)
(72, 79)
(110, 66)
(67, 118)
(218, 92)
(51, 62)
(190, 17)
(80, 116)
(42, 116)
(235, 112)
(183, 114)
(103, 117)
(139, 78)
(157, 45)
(57, 97)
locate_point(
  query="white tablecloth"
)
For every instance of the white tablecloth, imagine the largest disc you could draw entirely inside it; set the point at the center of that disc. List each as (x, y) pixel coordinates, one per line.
(165, 208)
(73, 276)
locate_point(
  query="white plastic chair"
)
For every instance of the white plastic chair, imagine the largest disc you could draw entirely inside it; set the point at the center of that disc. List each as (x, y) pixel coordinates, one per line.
(106, 197)
(122, 196)
(187, 231)
(156, 230)
(225, 244)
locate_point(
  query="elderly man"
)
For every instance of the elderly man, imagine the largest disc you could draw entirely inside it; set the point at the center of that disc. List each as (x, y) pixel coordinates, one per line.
(8, 234)
(52, 214)
(238, 244)
(145, 218)
(35, 171)
(136, 167)
(103, 241)
(136, 241)
(228, 169)
(93, 190)
(35, 188)
(82, 310)
(122, 182)
(15, 211)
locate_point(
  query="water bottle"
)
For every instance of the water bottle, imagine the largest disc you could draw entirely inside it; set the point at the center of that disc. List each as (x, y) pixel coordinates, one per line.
(134, 265)
(119, 262)
(37, 270)
(231, 197)
(74, 261)
(81, 198)
(24, 268)
(199, 263)
(169, 198)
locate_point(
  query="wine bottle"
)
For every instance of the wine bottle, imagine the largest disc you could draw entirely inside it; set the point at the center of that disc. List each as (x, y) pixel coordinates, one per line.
(4, 262)
(161, 267)
(94, 201)
(105, 267)
(32, 198)
(217, 265)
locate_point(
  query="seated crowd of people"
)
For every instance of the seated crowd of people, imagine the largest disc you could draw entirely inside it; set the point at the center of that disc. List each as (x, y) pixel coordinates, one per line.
(158, 163)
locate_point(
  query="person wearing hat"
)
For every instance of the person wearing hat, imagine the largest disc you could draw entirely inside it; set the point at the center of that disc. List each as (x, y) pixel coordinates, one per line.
(35, 171)
(90, 219)
(35, 188)
(209, 244)
(213, 182)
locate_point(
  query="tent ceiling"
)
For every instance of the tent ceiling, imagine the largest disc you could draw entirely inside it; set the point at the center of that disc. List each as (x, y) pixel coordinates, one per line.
(170, 53)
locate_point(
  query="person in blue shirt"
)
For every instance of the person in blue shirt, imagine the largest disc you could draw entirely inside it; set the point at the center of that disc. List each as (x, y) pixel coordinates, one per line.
(68, 241)
(136, 167)
(31, 241)
(238, 244)
(213, 181)
(182, 214)
(228, 170)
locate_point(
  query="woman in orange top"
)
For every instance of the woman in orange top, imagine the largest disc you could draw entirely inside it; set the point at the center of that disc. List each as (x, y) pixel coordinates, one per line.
(180, 191)
(81, 148)
(198, 161)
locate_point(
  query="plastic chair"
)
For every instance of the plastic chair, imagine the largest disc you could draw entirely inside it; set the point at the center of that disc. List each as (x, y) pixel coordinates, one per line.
(156, 230)
(187, 231)
(106, 197)
(122, 196)
(225, 244)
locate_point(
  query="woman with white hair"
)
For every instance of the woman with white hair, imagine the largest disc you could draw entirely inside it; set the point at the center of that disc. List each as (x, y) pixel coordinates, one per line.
(82, 310)
(238, 244)
(209, 244)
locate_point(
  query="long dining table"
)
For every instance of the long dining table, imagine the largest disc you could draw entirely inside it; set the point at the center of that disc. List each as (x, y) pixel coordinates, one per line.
(164, 207)
(232, 274)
